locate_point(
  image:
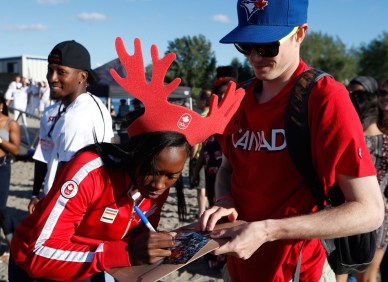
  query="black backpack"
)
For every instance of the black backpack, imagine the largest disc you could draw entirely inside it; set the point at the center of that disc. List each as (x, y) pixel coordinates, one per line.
(349, 254)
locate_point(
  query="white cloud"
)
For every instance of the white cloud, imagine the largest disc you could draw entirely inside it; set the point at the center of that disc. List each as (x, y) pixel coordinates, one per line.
(25, 27)
(50, 2)
(221, 19)
(91, 17)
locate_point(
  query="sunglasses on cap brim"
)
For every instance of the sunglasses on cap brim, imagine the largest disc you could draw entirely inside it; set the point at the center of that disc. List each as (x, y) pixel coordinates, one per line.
(264, 49)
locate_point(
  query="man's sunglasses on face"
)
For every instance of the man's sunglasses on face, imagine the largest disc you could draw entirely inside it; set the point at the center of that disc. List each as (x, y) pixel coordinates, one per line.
(268, 50)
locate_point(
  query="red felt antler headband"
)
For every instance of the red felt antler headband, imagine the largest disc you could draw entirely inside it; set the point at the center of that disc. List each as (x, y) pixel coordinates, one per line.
(160, 115)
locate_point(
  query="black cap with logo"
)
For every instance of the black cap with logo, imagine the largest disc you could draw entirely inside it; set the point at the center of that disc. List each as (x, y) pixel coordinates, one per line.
(74, 55)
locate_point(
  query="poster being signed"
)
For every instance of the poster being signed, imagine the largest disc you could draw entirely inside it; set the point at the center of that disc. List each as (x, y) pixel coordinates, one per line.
(190, 246)
(187, 244)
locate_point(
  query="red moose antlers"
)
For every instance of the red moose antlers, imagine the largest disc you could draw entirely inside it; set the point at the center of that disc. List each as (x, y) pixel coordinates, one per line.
(159, 114)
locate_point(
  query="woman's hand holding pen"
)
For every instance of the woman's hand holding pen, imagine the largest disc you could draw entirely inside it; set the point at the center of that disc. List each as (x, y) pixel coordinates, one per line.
(150, 247)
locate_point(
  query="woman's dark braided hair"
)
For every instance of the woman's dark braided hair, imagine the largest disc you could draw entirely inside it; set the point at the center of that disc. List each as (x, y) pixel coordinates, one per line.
(366, 106)
(138, 156)
(5, 107)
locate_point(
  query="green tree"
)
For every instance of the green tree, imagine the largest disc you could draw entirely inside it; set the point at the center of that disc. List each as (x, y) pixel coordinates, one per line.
(323, 52)
(195, 62)
(374, 58)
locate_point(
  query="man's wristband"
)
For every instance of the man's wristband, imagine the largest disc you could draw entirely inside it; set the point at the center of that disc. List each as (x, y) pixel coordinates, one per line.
(34, 197)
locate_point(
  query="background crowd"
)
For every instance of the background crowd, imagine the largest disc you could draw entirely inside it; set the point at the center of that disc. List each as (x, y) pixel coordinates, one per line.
(27, 96)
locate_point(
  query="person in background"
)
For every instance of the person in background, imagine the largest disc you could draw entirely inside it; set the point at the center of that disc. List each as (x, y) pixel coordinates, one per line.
(112, 111)
(20, 101)
(383, 106)
(33, 97)
(78, 118)
(44, 95)
(367, 109)
(198, 180)
(258, 182)
(9, 145)
(123, 109)
(383, 126)
(136, 105)
(363, 83)
(210, 156)
(15, 84)
(358, 83)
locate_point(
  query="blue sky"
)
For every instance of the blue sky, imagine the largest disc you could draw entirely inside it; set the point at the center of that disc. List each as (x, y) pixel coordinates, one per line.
(33, 27)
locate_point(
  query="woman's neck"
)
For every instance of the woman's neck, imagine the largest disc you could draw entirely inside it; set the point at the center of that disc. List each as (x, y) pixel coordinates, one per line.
(372, 130)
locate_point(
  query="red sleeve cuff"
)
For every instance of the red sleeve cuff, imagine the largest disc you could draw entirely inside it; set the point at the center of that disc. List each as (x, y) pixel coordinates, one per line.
(115, 255)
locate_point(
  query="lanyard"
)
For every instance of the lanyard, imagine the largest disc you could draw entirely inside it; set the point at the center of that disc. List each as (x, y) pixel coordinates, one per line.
(59, 114)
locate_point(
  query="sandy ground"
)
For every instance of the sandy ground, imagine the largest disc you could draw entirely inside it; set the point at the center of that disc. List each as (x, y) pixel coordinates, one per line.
(20, 192)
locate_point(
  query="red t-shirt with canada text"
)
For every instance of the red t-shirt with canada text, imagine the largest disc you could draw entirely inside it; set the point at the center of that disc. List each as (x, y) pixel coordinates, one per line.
(266, 184)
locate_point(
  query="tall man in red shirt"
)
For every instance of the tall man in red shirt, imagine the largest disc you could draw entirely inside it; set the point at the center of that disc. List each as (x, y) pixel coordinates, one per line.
(258, 182)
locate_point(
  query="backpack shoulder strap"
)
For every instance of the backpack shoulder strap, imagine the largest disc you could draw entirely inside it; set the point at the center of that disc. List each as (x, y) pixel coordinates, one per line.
(245, 84)
(298, 133)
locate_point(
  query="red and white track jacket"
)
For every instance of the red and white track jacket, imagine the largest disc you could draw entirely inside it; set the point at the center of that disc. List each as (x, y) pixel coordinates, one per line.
(84, 223)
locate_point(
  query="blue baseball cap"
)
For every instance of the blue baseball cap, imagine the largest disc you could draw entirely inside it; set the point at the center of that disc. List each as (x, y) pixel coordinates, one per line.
(264, 21)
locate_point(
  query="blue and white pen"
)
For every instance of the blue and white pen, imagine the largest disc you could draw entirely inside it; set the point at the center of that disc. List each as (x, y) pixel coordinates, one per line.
(144, 218)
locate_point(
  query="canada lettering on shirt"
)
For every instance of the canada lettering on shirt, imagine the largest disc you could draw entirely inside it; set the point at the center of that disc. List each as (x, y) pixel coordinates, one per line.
(248, 140)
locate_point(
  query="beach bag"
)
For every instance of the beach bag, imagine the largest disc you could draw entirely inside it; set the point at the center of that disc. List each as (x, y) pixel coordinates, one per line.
(349, 254)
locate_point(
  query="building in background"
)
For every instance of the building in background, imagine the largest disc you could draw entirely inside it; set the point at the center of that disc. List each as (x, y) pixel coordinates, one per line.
(34, 67)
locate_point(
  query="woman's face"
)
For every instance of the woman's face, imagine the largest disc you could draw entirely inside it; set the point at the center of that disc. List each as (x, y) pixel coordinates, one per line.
(383, 103)
(169, 165)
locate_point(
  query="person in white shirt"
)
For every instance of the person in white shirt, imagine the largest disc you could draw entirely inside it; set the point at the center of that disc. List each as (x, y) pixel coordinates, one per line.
(11, 87)
(76, 120)
(44, 94)
(33, 98)
(20, 100)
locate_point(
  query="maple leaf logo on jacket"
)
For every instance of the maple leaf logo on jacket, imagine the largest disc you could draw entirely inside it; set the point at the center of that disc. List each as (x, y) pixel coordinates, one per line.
(69, 189)
(252, 7)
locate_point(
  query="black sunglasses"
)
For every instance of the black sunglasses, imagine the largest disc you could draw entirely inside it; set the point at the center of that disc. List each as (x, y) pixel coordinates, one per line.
(269, 50)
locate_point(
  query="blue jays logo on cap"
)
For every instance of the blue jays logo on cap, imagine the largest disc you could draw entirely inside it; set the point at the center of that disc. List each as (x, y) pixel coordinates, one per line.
(264, 21)
(252, 7)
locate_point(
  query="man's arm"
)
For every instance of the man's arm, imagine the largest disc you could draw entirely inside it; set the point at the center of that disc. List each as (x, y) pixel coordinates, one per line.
(224, 205)
(363, 211)
(40, 171)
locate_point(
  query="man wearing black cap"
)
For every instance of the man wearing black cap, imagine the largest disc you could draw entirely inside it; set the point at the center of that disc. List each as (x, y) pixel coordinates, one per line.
(69, 124)
(258, 182)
